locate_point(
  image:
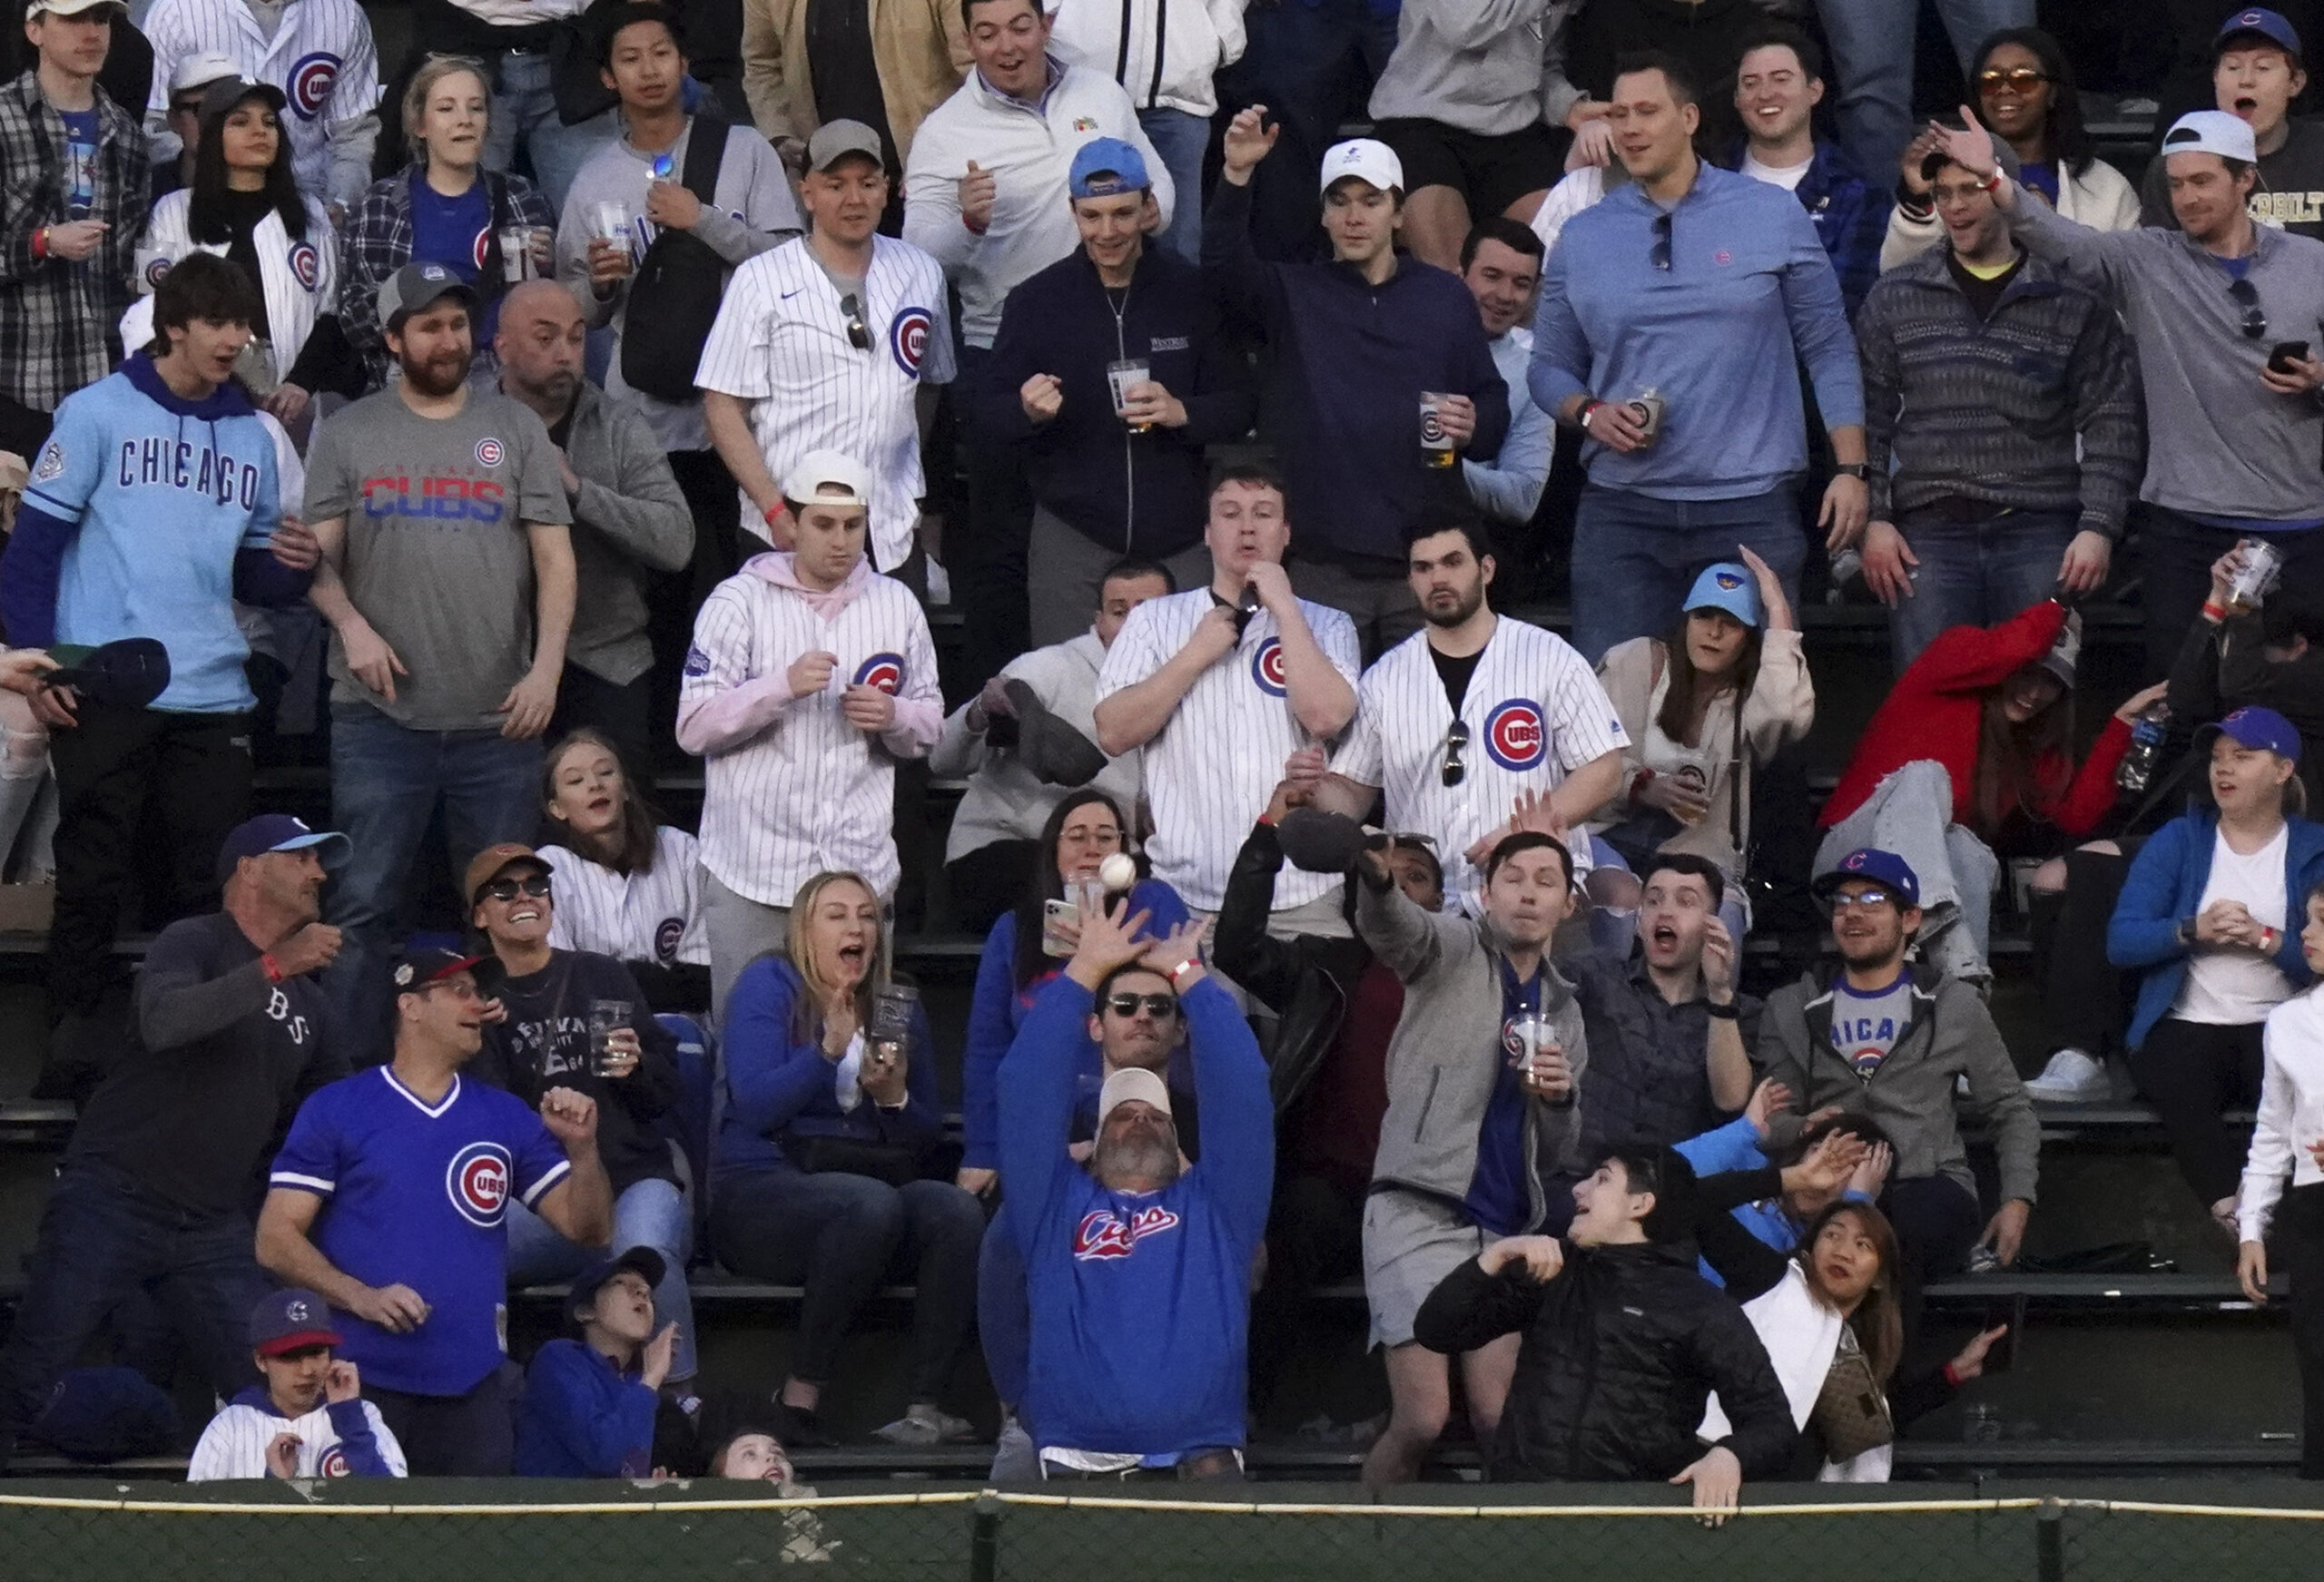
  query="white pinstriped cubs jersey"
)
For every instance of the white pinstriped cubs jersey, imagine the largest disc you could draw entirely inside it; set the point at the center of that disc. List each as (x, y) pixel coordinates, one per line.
(1535, 713)
(234, 1443)
(654, 917)
(782, 342)
(810, 791)
(322, 56)
(1211, 768)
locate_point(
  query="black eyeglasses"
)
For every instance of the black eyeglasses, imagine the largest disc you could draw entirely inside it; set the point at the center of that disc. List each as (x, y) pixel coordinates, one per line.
(508, 889)
(857, 336)
(2247, 297)
(1658, 255)
(2024, 79)
(1456, 742)
(1160, 1007)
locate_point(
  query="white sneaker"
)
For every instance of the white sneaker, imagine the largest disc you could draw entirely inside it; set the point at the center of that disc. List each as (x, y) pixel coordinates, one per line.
(926, 1425)
(1013, 1457)
(2072, 1076)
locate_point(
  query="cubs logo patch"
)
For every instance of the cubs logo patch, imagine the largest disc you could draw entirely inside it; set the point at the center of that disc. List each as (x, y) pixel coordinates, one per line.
(489, 452)
(1515, 736)
(51, 464)
(908, 338)
(312, 78)
(334, 1464)
(1103, 1234)
(884, 671)
(1084, 123)
(1727, 582)
(478, 250)
(478, 1184)
(666, 935)
(306, 264)
(1267, 669)
(697, 662)
(157, 270)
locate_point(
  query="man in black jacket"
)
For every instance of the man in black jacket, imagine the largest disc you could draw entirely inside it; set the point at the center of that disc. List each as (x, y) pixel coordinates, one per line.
(1623, 1343)
(1111, 374)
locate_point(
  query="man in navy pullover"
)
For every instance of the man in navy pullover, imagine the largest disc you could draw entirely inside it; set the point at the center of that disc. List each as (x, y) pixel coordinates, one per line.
(1352, 346)
(153, 506)
(1115, 472)
(1138, 1266)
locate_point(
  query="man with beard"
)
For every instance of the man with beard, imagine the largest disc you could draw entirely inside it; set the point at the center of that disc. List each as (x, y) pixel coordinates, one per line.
(447, 579)
(230, 1032)
(630, 519)
(1472, 713)
(1138, 1266)
(1890, 1044)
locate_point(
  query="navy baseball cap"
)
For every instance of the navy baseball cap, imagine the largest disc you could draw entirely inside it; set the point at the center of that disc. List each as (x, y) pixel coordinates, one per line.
(1731, 587)
(1874, 867)
(288, 1320)
(280, 832)
(2254, 727)
(1106, 167)
(2270, 26)
(421, 965)
(128, 673)
(642, 1261)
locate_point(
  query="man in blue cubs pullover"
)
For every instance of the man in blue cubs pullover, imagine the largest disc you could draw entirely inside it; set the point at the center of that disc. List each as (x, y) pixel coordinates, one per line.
(153, 506)
(1138, 1266)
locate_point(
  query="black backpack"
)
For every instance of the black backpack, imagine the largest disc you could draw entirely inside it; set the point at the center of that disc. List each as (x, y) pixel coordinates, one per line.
(673, 296)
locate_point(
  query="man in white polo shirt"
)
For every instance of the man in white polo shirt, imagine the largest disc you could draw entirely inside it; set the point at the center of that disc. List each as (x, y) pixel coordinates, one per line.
(1220, 685)
(810, 675)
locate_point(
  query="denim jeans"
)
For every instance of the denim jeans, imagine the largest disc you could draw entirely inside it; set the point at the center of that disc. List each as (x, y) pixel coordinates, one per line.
(1312, 63)
(385, 783)
(1872, 64)
(1977, 574)
(104, 1237)
(524, 109)
(1635, 556)
(648, 1213)
(1910, 813)
(1181, 140)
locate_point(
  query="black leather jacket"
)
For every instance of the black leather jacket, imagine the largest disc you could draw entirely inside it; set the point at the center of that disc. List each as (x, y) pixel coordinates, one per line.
(1306, 981)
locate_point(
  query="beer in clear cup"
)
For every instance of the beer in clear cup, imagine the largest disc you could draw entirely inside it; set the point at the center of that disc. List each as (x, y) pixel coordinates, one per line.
(1122, 377)
(1435, 443)
(2263, 566)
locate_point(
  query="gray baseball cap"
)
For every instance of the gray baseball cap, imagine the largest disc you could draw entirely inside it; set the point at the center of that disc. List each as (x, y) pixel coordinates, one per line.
(417, 285)
(835, 139)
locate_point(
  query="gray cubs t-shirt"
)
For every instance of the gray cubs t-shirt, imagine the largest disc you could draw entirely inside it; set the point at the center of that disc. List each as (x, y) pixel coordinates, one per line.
(436, 558)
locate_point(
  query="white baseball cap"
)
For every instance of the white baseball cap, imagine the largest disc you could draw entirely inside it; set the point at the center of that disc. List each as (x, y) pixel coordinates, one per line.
(1366, 159)
(72, 8)
(200, 69)
(828, 477)
(1131, 1082)
(2212, 131)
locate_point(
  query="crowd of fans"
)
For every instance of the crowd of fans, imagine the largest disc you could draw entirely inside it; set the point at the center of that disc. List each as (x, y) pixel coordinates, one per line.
(1339, 921)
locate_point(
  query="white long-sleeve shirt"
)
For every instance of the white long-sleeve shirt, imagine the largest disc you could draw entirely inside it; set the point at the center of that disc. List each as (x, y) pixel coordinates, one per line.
(2291, 1113)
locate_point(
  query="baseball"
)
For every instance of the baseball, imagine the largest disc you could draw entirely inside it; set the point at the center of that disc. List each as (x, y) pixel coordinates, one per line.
(1118, 872)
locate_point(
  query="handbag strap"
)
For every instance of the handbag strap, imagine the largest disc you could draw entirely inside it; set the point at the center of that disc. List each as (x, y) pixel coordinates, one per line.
(705, 150)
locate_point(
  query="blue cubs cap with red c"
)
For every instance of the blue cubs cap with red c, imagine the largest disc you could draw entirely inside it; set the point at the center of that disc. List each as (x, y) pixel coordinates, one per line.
(1873, 866)
(2252, 726)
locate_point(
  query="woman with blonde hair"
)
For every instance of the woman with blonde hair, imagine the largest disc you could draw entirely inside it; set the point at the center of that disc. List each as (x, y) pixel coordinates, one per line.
(826, 1170)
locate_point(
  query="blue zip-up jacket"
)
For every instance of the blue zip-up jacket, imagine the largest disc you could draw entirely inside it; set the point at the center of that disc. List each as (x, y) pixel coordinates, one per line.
(146, 516)
(1347, 362)
(775, 1077)
(997, 1009)
(1851, 215)
(1130, 494)
(1748, 296)
(1736, 1146)
(2165, 889)
(581, 1419)
(1140, 1301)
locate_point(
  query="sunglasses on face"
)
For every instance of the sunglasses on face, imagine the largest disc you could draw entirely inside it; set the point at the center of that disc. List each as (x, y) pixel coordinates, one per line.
(857, 336)
(1160, 1007)
(508, 889)
(1658, 255)
(1456, 742)
(2247, 297)
(2022, 79)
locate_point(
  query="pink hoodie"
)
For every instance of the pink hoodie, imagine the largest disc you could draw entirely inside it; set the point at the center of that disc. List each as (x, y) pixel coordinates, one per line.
(730, 719)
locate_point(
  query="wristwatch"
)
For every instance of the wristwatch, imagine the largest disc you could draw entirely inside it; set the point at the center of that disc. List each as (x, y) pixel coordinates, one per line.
(1853, 470)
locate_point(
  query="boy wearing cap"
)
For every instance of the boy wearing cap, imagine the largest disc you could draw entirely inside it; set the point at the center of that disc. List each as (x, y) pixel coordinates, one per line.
(1890, 1042)
(308, 1418)
(2256, 74)
(825, 343)
(448, 577)
(589, 1405)
(151, 510)
(229, 1032)
(810, 675)
(2234, 427)
(182, 118)
(1115, 471)
(74, 215)
(1354, 343)
(389, 1197)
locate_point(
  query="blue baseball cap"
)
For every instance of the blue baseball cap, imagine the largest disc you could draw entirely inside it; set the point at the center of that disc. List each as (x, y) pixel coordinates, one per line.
(1106, 167)
(642, 1261)
(1874, 867)
(288, 1320)
(280, 832)
(1731, 587)
(2270, 26)
(2252, 726)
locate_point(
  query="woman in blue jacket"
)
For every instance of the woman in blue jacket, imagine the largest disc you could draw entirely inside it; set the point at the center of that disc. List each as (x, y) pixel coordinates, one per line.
(2211, 912)
(816, 1174)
